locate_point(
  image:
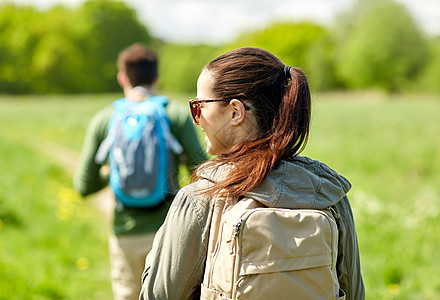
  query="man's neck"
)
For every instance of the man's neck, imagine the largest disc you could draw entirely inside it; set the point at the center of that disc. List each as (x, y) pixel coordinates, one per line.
(139, 93)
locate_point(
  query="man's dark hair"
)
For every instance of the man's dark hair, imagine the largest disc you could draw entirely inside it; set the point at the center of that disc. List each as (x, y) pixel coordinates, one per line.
(139, 62)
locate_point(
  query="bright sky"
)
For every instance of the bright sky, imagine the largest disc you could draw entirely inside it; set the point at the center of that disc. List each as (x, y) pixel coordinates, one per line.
(217, 21)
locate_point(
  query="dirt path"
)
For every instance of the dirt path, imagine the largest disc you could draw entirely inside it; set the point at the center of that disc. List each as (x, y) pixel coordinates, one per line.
(68, 159)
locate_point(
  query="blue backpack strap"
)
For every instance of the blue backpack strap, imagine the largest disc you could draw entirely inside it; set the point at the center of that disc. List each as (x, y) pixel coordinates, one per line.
(104, 148)
(121, 103)
(172, 142)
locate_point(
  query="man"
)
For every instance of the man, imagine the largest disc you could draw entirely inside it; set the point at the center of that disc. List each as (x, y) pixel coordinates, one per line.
(134, 228)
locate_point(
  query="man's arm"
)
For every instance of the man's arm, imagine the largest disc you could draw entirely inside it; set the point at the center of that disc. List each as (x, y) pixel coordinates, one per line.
(88, 177)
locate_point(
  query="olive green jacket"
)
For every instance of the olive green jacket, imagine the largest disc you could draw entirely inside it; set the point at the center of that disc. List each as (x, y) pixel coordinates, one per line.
(175, 266)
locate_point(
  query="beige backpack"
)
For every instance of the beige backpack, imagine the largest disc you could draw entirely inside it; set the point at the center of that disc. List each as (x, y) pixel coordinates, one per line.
(257, 252)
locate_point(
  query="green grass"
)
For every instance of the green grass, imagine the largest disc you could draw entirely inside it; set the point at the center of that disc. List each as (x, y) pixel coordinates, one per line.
(390, 150)
(53, 245)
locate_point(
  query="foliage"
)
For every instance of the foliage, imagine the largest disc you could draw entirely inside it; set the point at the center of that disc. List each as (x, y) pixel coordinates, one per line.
(55, 59)
(430, 77)
(180, 65)
(374, 45)
(304, 45)
(321, 64)
(65, 50)
(104, 28)
(383, 49)
(16, 43)
(288, 41)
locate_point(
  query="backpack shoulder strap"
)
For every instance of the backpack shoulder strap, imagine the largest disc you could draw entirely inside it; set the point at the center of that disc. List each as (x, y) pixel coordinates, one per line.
(171, 140)
(104, 147)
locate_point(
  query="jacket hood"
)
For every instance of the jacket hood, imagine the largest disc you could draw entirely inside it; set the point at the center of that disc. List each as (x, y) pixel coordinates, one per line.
(296, 183)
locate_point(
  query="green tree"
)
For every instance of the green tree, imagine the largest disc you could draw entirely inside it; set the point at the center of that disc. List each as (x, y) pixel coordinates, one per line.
(103, 29)
(16, 45)
(38, 54)
(382, 47)
(56, 59)
(430, 77)
(305, 45)
(321, 66)
(63, 49)
(180, 66)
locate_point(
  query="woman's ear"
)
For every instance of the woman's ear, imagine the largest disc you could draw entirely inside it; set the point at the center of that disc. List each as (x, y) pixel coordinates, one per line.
(238, 112)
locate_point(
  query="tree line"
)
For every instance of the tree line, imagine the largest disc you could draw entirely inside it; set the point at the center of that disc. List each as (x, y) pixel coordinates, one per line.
(376, 44)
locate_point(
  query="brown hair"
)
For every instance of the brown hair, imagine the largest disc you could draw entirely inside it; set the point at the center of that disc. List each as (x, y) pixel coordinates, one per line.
(281, 104)
(139, 63)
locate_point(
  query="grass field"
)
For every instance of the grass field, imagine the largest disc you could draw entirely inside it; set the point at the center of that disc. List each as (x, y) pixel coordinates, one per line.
(53, 245)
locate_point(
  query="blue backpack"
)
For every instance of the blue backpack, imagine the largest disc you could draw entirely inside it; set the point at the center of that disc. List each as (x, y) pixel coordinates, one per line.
(141, 151)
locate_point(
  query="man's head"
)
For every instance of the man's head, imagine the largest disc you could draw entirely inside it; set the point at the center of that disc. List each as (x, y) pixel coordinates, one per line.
(137, 66)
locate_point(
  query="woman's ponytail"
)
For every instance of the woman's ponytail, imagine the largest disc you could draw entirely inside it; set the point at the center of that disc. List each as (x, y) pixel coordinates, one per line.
(280, 98)
(290, 130)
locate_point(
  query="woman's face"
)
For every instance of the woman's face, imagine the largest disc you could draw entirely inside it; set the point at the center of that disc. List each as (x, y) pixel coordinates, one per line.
(214, 118)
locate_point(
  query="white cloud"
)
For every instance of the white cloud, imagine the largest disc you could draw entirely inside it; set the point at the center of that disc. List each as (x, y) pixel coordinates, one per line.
(217, 21)
(426, 13)
(315, 10)
(47, 3)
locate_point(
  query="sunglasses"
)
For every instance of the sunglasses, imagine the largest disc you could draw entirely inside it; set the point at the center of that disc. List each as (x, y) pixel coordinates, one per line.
(194, 106)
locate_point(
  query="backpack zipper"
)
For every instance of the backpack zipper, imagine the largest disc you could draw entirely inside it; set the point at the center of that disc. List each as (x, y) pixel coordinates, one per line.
(234, 235)
(335, 214)
(236, 243)
(237, 227)
(240, 281)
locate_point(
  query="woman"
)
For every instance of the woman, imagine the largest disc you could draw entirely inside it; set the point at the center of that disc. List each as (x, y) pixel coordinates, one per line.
(255, 113)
